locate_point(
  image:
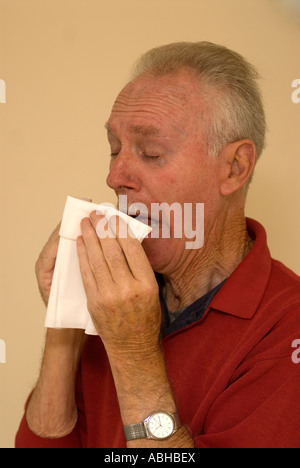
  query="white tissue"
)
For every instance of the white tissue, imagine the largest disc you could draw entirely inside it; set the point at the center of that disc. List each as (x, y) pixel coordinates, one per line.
(67, 306)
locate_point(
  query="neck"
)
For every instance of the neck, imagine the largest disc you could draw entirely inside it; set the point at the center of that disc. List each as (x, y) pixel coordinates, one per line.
(226, 245)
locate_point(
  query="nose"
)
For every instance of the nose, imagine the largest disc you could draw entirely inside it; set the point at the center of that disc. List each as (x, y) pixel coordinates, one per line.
(123, 173)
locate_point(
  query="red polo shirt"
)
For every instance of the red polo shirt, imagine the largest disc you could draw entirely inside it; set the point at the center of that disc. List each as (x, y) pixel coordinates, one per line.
(234, 379)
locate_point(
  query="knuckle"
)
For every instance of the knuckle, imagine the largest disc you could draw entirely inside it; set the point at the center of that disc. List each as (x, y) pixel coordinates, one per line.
(38, 266)
(113, 254)
(105, 301)
(126, 294)
(150, 289)
(96, 264)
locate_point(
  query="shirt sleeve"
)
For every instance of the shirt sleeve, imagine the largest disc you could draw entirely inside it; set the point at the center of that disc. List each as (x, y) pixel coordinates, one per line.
(260, 408)
(25, 438)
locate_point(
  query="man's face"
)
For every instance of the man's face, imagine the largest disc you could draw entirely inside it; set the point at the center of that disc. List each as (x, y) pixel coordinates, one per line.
(158, 155)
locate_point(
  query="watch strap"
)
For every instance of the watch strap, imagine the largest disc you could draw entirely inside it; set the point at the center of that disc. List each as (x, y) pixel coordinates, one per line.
(135, 431)
(177, 421)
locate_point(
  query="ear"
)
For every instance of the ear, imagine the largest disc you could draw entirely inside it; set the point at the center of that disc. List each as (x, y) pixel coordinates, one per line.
(238, 161)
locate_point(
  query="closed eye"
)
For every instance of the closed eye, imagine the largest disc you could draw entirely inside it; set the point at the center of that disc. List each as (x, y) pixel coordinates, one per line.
(147, 156)
(150, 157)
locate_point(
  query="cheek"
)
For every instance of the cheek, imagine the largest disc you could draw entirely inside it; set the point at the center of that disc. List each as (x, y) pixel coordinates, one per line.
(166, 187)
(181, 184)
(186, 179)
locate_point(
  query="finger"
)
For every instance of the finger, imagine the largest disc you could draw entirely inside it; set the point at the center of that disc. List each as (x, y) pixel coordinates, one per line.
(47, 257)
(50, 247)
(112, 250)
(94, 253)
(133, 251)
(88, 278)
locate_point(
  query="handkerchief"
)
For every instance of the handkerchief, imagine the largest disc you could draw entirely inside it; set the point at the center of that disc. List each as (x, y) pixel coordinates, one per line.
(67, 306)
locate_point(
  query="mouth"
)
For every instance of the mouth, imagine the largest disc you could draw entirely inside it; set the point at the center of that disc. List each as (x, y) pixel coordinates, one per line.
(143, 218)
(151, 222)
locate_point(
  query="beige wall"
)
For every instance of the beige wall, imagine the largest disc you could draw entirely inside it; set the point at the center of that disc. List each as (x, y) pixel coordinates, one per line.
(63, 61)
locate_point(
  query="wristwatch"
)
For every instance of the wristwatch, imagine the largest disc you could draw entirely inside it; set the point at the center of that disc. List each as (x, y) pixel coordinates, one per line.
(159, 425)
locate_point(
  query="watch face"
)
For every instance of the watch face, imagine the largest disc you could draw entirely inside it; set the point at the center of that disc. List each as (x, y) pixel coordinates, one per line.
(160, 425)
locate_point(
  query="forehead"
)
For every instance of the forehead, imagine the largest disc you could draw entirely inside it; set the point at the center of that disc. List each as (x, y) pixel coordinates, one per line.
(148, 104)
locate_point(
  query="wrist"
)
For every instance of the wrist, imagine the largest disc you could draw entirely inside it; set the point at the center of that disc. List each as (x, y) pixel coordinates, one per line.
(52, 411)
(64, 344)
(133, 353)
(142, 385)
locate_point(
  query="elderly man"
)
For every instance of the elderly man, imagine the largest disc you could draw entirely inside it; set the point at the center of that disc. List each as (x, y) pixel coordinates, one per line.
(195, 345)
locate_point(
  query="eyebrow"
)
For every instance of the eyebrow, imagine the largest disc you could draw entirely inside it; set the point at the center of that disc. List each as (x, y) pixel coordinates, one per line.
(144, 130)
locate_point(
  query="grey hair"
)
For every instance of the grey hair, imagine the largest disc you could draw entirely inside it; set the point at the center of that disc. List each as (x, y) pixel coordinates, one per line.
(228, 83)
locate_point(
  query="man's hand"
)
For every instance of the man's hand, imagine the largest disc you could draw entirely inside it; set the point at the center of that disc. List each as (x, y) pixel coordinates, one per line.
(45, 264)
(123, 301)
(121, 289)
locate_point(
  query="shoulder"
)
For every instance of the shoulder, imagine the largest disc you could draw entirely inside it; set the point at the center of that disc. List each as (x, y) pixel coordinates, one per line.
(284, 284)
(280, 311)
(283, 271)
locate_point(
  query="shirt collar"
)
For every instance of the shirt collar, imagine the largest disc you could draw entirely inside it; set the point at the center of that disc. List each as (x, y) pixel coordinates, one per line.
(243, 291)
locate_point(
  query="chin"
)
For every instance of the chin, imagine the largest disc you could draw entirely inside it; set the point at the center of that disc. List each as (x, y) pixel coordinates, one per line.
(160, 253)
